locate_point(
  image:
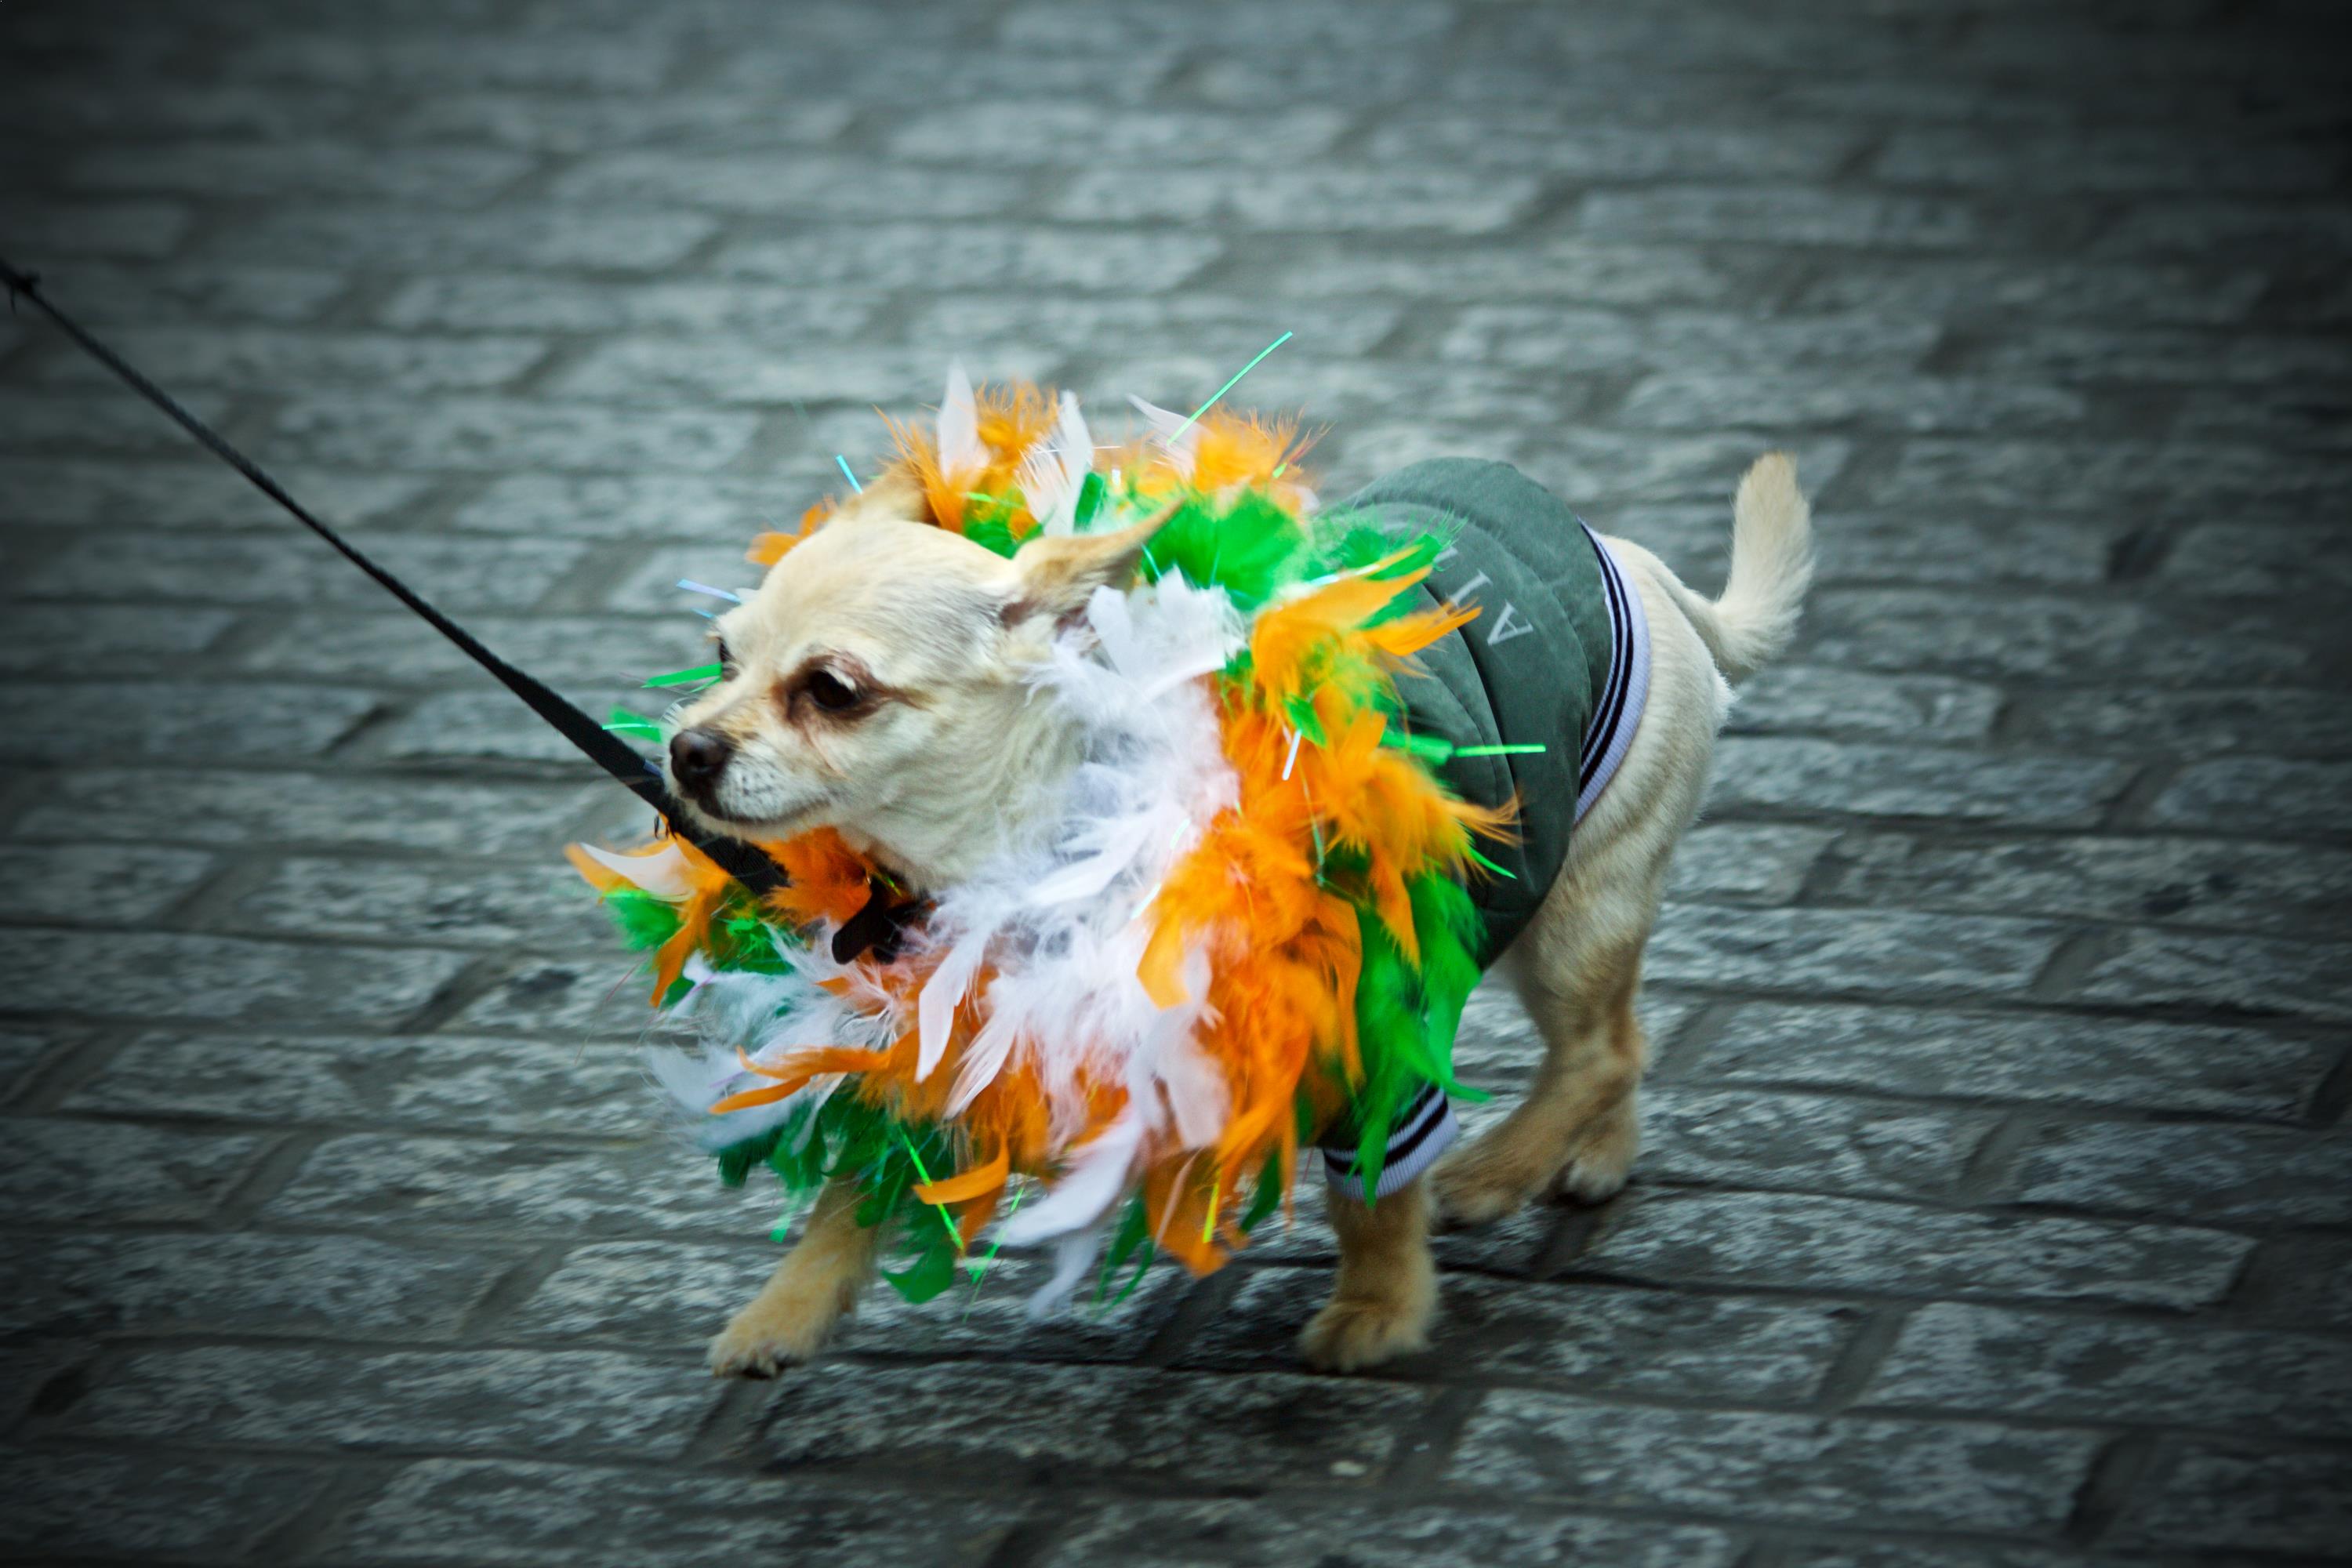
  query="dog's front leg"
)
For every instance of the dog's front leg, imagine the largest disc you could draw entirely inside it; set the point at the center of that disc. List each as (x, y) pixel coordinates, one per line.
(1387, 1290)
(816, 1286)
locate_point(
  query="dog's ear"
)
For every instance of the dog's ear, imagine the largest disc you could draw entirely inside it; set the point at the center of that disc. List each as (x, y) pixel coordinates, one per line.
(894, 497)
(1054, 577)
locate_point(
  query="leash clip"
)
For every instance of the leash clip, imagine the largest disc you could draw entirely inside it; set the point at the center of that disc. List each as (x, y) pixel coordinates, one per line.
(879, 928)
(24, 284)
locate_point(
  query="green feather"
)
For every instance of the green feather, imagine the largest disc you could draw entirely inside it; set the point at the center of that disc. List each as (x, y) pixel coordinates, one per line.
(990, 528)
(1446, 924)
(1091, 490)
(1266, 1196)
(1132, 1236)
(1389, 1040)
(1340, 542)
(736, 1160)
(932, 1272)
(646, 921)
(1143, 1267)
(1252, 549)
(1406, 1017)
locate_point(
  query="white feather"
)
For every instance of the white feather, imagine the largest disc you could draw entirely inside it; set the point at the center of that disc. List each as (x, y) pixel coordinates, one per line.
(1185, 1075)
(662, 873)
(768, 1018)
(692, 1078)
(991, 1047)
(935, 1009)
(1052, 474)
(1115, 844)
(1079, 1198)
(1153, 776)
(1073, 1257)
(1178, 436)
(960, 451)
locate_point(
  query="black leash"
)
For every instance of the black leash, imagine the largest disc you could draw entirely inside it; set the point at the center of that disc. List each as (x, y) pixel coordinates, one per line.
(745, 863)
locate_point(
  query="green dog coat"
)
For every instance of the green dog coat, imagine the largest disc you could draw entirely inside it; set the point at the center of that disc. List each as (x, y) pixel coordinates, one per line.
(1559, 659)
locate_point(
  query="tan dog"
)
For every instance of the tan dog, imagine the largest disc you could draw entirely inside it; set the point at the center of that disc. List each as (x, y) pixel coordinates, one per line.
(874, 684)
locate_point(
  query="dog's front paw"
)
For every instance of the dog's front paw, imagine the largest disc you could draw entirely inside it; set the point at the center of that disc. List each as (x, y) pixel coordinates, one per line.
(1349, 1334)
(760, 1344)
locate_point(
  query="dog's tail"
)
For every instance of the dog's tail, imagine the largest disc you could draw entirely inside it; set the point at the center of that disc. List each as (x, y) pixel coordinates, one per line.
(1771, 565)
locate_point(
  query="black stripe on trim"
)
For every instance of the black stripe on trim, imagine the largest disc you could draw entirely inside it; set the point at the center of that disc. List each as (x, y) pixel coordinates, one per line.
(1622, 654)
(1399, 1152)
(1621, 629)
(1611, 709)
(1611, 694)
(1422, 1119)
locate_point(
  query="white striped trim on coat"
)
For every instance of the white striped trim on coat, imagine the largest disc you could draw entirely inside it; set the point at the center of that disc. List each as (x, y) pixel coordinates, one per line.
(1423, 1131)
(1617, 713)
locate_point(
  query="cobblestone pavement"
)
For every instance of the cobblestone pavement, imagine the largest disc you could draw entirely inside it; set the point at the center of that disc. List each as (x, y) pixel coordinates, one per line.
(1998, 1207)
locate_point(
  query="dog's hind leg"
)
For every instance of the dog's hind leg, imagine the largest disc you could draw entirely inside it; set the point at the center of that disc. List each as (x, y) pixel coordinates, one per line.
(1578, 1124)
(1606, 1131)
(1387, 1290)
(816, 1286)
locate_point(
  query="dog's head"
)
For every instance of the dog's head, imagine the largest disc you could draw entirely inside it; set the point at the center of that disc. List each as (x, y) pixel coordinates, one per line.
(876, 684)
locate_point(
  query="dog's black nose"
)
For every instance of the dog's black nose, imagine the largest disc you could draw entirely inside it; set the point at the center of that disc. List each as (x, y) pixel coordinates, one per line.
(697, 757)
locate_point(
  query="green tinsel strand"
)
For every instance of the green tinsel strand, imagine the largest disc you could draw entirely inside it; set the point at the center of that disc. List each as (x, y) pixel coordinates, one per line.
(1492, 869)
(699, 673)
(637, 726)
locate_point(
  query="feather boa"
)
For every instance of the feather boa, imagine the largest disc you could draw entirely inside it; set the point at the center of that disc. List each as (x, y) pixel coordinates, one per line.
(1247, 922)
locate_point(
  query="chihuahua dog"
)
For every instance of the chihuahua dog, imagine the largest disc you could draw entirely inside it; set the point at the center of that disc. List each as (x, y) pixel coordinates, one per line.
(876, 684)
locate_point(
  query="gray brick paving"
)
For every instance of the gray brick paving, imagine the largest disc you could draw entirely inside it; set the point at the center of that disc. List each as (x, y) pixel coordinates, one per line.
(1994, 1213)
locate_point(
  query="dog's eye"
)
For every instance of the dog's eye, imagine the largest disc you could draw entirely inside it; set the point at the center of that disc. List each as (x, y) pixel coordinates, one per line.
(829, 691)
(725, 656)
